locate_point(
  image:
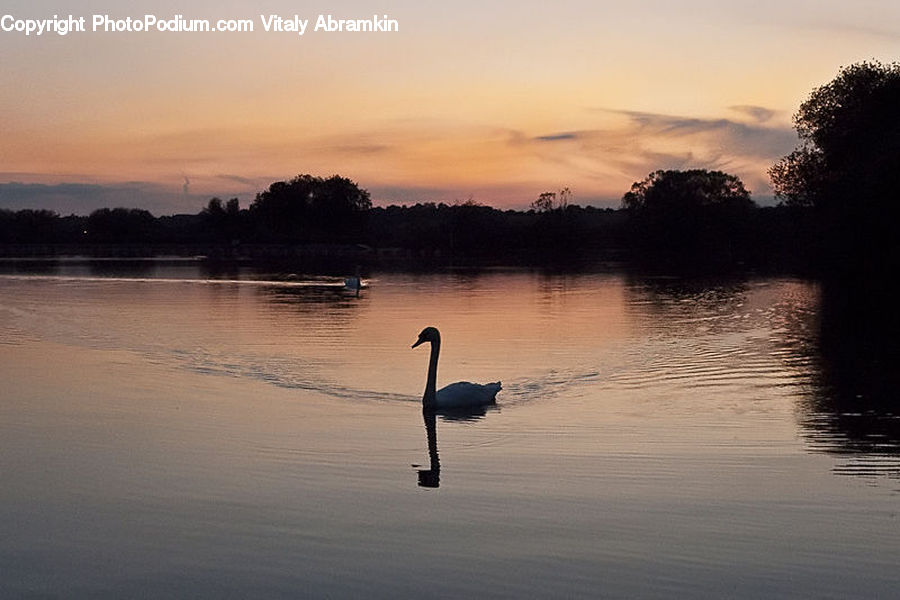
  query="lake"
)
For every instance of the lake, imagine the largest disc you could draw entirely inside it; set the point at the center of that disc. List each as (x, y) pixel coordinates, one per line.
(168, 429)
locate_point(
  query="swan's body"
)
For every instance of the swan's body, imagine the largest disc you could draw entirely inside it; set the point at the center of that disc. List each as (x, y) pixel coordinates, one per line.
(456, 395)
(354, 283)
(463, 393)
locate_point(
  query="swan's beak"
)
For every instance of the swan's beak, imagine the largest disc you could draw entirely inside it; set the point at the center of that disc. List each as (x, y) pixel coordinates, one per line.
(418, 341)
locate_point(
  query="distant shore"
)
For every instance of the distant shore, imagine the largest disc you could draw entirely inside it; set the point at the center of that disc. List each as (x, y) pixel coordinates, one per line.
(210, 251)
(313, 256)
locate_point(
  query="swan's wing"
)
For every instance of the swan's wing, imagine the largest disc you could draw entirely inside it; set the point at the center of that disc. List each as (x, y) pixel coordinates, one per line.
(460, 387)
(468, 386)
(464, 393)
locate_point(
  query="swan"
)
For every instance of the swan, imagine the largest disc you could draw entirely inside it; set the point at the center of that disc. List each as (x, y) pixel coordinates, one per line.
(456, 395)
(354, 284)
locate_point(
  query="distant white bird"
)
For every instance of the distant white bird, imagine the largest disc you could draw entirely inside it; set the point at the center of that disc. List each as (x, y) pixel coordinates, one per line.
(456, 395)
(354, 284)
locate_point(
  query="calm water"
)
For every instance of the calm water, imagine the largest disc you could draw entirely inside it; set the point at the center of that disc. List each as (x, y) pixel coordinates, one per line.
(170, 432)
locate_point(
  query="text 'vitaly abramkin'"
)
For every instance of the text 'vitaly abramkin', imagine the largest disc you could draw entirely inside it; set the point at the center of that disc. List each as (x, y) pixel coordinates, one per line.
(179, 24)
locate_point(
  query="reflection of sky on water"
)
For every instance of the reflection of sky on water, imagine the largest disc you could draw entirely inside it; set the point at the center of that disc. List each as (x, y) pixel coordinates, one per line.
(594, 329)
(645, 443)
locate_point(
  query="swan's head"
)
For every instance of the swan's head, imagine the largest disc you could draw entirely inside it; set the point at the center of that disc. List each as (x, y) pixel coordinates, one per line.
(429, 334)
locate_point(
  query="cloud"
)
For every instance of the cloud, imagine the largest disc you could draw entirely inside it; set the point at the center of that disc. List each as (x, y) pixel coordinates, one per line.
(557, 137)
(760, 114)
(631, 144)
(842, 25)
(736, 137)
(257, 183)
(360, 148)
(82, 198)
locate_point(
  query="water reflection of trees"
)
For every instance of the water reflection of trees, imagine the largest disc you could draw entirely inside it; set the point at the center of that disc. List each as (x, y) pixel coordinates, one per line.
(840, 346)
(124, 268)
(685, 304)
(709, 292)
(45, 267)
(853, 406)
(311, 295)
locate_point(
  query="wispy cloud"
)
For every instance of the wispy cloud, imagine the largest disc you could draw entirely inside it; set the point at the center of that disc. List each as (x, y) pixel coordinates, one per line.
(557, 137)
(254, 183)
(361, 148)
(632, 144)
(733, 137)
(759, 114)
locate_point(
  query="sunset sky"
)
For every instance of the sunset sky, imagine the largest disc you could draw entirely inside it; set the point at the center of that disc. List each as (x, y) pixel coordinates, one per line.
(494, 101)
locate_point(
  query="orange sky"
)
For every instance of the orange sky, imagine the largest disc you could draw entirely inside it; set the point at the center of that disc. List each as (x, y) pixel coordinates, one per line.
(497, 104)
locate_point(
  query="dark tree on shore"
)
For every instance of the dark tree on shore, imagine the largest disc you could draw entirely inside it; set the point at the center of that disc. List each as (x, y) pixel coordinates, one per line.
(549, 201)
(223, 223)
(309, 208)
(694, 214)
(121, 225)
(28, 226)
(557, 232)
(847, 167)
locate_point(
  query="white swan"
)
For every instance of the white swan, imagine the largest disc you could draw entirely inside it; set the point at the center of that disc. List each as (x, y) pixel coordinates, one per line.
(456, 395)
(354, 284)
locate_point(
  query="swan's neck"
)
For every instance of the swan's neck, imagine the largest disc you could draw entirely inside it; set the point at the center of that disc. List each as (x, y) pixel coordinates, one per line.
(431, 434)
(431, 385)
(431, 477)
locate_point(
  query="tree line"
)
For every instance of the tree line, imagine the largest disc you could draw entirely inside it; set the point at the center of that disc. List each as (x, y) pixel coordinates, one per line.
(838, 195)
(288, 213)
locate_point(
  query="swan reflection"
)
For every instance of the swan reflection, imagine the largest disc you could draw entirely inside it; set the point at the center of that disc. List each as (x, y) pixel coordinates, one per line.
(431, 477)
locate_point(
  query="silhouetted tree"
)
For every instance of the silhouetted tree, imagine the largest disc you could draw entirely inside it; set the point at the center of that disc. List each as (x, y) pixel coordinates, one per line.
(548, 201)
(565, 198)
(470, 229)
(29, 226)
(121, 225)
(214, 208)
(558, 232)
(311, 208)
(847, 167)
(695, 214)
(545, 202)
(223, 222)
(337, 207)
